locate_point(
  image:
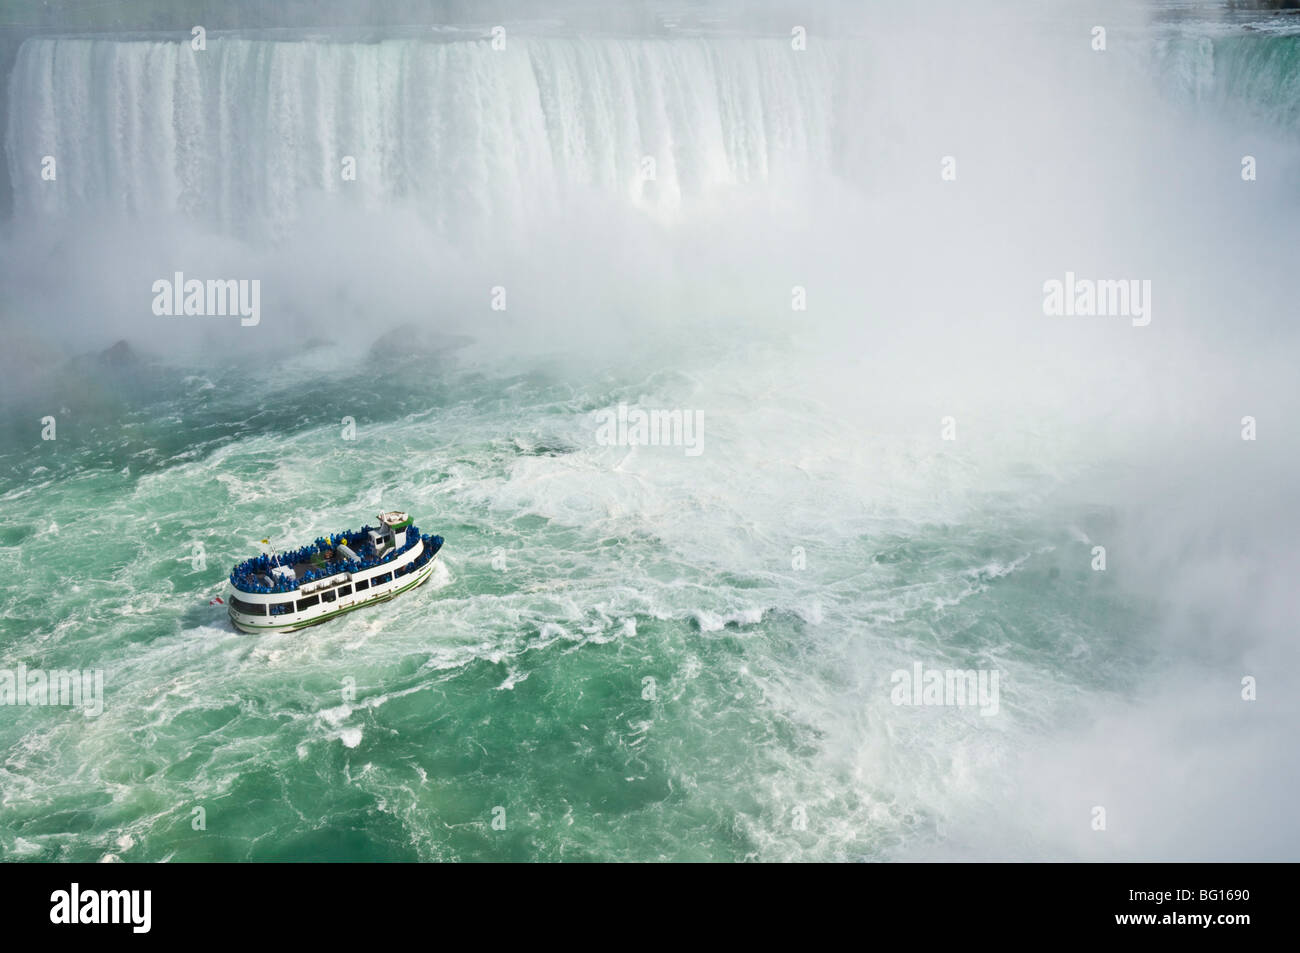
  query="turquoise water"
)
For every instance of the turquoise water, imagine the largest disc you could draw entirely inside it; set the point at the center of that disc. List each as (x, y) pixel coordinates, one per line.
(635, 653)
(521, 687)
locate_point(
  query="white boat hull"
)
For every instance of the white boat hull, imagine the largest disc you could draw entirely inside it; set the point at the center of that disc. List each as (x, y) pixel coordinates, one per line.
(328, 598)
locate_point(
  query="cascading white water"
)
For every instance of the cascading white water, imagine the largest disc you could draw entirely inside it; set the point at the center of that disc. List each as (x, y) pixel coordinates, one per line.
(247, 128)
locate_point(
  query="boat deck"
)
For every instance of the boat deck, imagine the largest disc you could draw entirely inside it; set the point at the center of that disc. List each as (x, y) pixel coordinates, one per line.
(321, 561)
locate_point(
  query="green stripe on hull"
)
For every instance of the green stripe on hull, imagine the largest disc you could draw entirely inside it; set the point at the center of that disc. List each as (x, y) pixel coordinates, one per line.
(295, 626)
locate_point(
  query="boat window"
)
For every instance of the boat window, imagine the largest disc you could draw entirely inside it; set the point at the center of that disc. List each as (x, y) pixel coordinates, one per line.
(308, 602)
(363, 584)
(248, 608)
(281, 608)
(329, 595)
(386, 577)
(345, 590)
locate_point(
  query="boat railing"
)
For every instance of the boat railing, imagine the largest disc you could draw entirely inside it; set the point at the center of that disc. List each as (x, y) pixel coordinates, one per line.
(254, 575)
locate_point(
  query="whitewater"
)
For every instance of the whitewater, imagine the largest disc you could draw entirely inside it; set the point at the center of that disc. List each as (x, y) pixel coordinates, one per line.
(630, 651)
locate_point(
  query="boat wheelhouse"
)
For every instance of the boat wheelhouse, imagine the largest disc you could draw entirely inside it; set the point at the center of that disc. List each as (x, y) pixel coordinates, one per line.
(331, 576)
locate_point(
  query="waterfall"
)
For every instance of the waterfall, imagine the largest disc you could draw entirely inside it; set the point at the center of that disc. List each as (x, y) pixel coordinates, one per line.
(250, 129)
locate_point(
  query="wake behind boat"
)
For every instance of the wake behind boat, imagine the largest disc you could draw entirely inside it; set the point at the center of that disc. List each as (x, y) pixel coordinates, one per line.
(331, 576)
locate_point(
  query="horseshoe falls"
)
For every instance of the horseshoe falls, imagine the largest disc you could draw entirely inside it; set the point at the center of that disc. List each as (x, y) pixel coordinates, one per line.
(257, 129)
(786, 518)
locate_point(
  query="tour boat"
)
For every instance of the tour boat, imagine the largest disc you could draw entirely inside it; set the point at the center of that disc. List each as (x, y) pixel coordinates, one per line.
(331, 576)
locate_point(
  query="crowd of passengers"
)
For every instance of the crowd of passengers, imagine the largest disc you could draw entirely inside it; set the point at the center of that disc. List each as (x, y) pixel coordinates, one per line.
(286, 608)
(254, 575)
